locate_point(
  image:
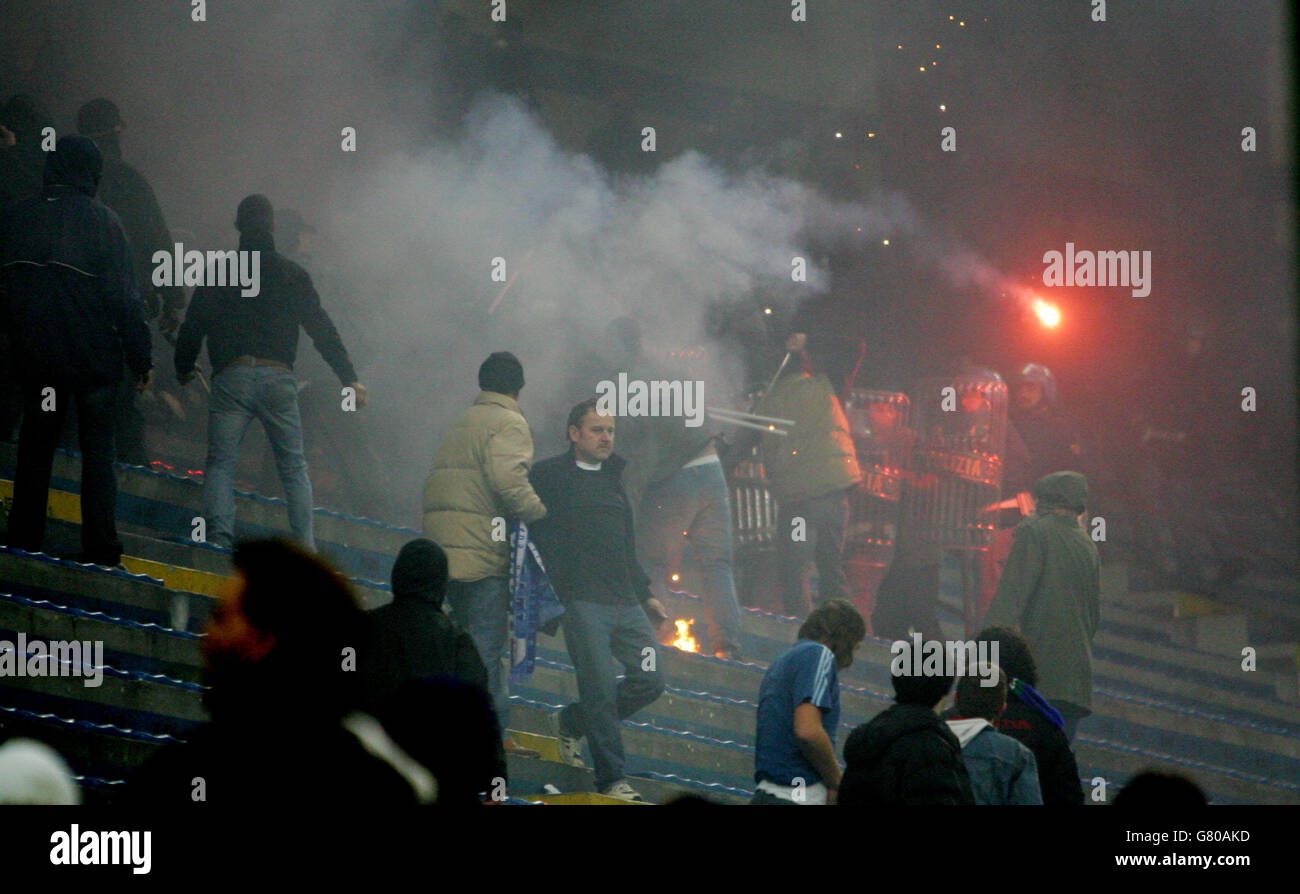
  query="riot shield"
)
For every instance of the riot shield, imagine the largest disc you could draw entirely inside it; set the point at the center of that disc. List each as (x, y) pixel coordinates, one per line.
(961, 428)
(753, 508)
(880, 422)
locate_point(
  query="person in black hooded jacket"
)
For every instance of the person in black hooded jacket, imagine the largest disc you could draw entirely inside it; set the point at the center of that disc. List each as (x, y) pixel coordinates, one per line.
(906, 755)
(419, 671)
(412, 637)
(68, 298)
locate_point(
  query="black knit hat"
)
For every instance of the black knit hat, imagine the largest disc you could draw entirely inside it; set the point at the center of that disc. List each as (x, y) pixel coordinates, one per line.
(501, 372)
(255, 215)
(420, 570)
(98, 117)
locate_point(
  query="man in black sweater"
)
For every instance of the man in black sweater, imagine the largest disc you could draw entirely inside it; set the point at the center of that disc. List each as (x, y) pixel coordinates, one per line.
(906, 755)
(253, 342)
(586, 542)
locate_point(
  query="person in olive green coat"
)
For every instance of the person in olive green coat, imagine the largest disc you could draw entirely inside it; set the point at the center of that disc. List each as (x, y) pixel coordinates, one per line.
(810, 471)
(1050, 589)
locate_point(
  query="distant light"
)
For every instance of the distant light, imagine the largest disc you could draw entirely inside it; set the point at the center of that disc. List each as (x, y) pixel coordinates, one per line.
(1048, 314)
(922, 68)
(871, 133)
(950, 18)
(937, 47)
(767, 310)
(838, 134)
(934, 63)
(886, 241)
(963, 24)
(900, 46)
(942, 107)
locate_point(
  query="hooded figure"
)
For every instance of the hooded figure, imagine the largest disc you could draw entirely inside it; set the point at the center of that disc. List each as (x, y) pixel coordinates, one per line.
(126, 191)
(21, 163)
(411, 637)
(69, 285)
(68, 300)
(419, 670)
(1051, 590)
(68, 282)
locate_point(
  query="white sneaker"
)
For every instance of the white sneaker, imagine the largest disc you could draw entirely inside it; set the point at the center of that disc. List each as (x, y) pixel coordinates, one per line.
(624, 792)
(570, 746)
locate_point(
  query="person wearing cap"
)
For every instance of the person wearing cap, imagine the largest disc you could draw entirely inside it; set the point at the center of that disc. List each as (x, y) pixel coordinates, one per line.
(478, 483)
(253, 343)
(68, 299)
(1050, 590)
(1040, 439)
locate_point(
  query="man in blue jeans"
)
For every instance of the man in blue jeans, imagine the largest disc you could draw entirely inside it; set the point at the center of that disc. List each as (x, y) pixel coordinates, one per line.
(588, 546)
(252, 343)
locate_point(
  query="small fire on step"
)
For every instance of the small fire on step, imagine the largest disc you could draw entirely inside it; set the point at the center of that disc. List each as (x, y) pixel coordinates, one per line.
(685, 641)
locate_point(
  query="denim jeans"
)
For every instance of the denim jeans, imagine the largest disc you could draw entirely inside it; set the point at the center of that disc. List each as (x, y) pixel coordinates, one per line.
(241, 394)
(481, 608)
(824, 520)
(693, 505)
(595, 633)
(36, 442)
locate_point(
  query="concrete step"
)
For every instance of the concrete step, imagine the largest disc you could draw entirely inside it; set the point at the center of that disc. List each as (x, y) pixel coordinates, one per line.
(131, 644)
(134, 596)
(166, 505)
(696, 706)
(654, 748)
(1117, 762)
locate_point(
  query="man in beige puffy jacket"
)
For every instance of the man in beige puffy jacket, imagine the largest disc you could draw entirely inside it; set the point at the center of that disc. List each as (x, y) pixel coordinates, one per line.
(479, 483)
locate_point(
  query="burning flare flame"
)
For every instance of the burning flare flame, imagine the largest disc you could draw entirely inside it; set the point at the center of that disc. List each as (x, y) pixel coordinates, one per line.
(1048, 314)
(684, 640)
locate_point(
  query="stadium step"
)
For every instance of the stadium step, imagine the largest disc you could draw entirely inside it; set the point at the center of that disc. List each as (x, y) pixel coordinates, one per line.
(1158, 701)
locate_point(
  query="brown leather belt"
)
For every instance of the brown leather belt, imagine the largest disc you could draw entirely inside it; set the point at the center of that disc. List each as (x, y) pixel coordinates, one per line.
(247, 360)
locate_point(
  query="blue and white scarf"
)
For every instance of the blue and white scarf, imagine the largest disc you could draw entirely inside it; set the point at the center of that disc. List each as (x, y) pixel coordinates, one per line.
(532, 601)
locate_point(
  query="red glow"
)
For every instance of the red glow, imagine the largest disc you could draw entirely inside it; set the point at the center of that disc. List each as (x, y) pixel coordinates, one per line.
(1048, 314)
